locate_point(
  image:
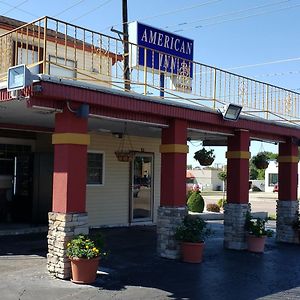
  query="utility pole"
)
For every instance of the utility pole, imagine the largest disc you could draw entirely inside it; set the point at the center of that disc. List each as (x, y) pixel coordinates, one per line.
(126, 46)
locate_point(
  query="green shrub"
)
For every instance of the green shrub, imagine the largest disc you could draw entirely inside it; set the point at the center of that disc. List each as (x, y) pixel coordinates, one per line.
(221, 202)
(213, 207)
(195, 202)
(189, 193)
(192, 229)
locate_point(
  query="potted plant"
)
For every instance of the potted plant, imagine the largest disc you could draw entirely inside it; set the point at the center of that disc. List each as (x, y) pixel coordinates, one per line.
(261, 160)
(257, 233)
(205, 157)
(192, 233)
(84, 254)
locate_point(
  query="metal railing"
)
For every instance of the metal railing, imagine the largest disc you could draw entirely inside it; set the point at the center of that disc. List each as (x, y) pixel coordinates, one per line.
(57, 48)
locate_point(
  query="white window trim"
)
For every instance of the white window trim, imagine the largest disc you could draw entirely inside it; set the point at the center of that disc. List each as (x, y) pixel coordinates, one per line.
(103, 169)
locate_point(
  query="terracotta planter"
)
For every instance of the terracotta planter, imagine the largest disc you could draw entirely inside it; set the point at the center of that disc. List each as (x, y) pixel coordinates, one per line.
(84, 270)
(192, 252)
(256, 244)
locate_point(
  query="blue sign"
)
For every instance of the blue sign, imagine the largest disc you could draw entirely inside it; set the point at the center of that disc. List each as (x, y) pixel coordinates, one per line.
(172, 53)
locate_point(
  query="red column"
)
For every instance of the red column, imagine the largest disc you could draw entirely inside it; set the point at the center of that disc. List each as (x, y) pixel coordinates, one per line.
(173, 164)
(70, 162)
(238, 167)
(288, 171)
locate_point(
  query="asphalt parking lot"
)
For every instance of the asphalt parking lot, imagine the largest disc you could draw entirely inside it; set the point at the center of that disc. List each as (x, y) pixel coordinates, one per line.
(260, 201)
(134, 271)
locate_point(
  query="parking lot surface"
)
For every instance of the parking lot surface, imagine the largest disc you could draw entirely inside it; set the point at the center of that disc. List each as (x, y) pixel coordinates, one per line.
(134, 271)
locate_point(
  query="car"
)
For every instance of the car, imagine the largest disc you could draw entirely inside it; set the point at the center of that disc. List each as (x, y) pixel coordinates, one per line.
(275, 188)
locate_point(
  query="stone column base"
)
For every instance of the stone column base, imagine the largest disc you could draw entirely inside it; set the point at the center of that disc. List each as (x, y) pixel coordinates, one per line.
(234, 226)
(168, 218)
(62, 227)
(287, 213)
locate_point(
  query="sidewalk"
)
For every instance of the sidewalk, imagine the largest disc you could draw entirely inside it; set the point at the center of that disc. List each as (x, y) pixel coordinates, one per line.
(133, 271)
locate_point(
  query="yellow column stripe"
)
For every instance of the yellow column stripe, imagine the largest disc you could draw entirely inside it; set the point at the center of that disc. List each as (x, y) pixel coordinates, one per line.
(288, 159)
(71, 138)
(238, 154)
(174, 148)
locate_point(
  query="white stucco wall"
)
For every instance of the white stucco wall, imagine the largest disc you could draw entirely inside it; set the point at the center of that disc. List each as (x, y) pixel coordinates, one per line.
(273, 169)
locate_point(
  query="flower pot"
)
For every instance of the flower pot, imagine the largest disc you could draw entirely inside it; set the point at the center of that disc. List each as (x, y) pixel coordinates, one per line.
(206, 161)
(84, 270)
(262, 165)
(192, 252)
(256, 244)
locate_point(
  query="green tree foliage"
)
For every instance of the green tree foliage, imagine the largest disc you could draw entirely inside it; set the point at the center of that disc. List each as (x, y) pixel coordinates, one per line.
(260, 174)
(222, 175)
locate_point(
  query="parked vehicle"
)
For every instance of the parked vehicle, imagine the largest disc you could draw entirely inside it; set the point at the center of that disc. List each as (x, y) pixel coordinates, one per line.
(275, 189)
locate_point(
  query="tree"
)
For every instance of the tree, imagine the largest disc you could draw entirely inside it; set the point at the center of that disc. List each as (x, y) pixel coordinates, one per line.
(255, 173)
(223, 176)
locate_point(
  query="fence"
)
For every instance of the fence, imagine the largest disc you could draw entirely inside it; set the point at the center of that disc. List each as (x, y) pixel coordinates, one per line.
(57, 48)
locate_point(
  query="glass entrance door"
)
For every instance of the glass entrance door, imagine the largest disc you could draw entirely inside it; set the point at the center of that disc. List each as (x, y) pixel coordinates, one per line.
(141, 203)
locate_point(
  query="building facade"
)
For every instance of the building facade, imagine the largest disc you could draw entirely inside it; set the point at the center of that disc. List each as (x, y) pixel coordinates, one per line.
(80, 150)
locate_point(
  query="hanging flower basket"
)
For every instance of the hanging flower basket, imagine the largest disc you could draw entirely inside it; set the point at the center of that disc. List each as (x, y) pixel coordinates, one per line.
(204, 157)
(260, 161)
(125, 151)
(124, 156)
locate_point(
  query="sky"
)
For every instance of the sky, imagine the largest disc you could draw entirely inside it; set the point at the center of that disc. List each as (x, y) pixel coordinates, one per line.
(257, 38)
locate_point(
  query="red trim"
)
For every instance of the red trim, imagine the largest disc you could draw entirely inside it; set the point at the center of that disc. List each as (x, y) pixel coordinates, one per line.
(238, 169)
(69, 189)
(288, 173)
(127, 106)
(173, 166)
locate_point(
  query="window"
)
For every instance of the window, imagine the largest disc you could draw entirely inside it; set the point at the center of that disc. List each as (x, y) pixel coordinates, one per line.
(273, 179)
(62, 68)
(95, 168)
(28, 56)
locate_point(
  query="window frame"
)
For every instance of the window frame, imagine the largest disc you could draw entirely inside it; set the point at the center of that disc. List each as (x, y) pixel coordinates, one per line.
(51, 56)
(269, 179)
(103, 167)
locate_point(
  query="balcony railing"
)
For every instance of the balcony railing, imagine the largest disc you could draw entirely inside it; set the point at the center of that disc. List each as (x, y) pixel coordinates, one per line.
(57, 48)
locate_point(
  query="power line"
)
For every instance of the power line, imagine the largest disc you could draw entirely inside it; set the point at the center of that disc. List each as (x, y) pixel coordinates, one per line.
(265, 63)
(228, 14)
(14, 7)
(90, 11)
(278, 74)
(18, 8)
(68, 8)
(239, 18)
(166, 13)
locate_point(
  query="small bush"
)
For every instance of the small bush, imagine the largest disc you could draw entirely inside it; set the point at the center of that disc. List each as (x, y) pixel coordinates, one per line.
(189, 193)
(195, 202)
(213, 207)
(221, 202)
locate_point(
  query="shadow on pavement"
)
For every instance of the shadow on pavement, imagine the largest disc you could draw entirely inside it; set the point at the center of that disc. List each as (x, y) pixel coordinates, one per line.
(224, 274)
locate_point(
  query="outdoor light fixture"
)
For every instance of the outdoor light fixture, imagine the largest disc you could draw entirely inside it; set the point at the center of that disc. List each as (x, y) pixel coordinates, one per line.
(18, 77)
(231, 112)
